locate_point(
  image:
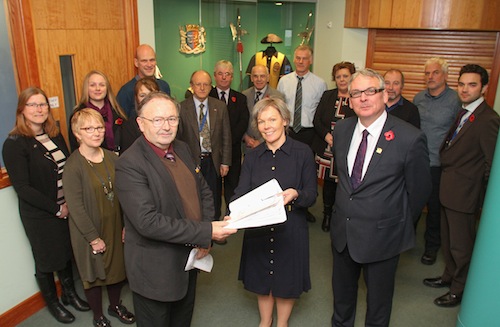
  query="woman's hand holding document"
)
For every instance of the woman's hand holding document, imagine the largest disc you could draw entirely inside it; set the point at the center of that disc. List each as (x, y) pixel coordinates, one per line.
(261, 207)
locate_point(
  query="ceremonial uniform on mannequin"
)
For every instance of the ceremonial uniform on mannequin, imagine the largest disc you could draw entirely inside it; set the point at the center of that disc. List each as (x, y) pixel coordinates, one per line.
(277, 63)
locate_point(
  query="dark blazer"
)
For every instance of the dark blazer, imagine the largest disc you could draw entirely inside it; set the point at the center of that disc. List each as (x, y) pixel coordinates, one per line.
(220, 131)
(323, 117)
(158, 235)
(238, 114)
(466, 162)
(407, 112)
(376, 220)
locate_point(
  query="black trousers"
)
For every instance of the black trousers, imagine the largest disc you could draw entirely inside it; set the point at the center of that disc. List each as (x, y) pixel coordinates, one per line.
(305, 135)
(233, 176)
(379, 279)
(152, 313)
(432, 233)
(214, 181)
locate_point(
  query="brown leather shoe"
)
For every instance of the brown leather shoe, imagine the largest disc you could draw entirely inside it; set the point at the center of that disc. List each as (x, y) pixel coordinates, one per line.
(437, 282)
(448, 300)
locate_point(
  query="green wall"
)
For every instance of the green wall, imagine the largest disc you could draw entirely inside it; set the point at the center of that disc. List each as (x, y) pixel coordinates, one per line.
(259, 19)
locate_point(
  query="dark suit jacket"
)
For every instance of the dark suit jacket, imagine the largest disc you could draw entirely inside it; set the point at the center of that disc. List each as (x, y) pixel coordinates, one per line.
(407, 112)
(158, 235)
(250, 94)
(323, 117)
(220, 131)
(376, 220)
(238, 114)
(466, 162)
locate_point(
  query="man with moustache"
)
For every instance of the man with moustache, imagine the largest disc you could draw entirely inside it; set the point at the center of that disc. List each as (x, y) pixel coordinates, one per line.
(145, 61)
(397, 105)
(466, 159)
(205, 127)
(168, 211)
(383, 183)
(260, 90)
(237, 109)
(438, 105)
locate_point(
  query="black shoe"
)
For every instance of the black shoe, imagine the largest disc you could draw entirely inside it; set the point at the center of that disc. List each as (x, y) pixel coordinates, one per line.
(325, 226)
(75, 301)
(436, 282)
(448, 300)
(428, 258)
(121, 312)
(102, 322)
(309, 217)
(60, 313)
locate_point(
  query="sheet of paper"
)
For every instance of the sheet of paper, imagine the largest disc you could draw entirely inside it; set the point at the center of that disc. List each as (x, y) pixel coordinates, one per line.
(262, 206)
(206, 263)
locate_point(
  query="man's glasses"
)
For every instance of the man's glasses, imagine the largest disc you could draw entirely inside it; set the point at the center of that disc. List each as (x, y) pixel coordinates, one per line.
(159, 121)
(369, 92)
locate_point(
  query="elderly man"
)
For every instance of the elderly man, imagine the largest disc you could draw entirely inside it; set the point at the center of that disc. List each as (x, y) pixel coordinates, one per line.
(260, 90)
(145, 61)
(206, 128)
(397, 105)
(238, 120)
(384, 181)
(168, 211)
(438, 105)
(466, 159)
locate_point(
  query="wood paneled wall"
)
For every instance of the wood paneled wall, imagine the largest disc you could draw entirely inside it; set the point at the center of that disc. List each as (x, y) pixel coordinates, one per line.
(99, 35)
(424, 14)
(408, 51)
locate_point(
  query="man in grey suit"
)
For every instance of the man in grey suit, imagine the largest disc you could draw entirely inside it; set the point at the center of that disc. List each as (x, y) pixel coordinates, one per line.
(205, 127)
(384, 181)
(168, 211)
(260, 90)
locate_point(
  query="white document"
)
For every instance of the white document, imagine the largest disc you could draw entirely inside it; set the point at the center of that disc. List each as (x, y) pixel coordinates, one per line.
(262, 206)
(206, 263)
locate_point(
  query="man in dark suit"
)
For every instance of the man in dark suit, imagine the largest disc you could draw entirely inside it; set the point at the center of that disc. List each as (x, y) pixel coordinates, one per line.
(168, 211)
(205, 127)
(260, 90)
(397, 105)
(237, 109)
(384, 181)
(466, 158)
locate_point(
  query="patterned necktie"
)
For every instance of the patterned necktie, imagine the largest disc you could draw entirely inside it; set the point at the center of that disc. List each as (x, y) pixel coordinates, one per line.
(357, 169)
(204, 130)
(454, 132)
(223, 96)
(257, 97)
(297, 113)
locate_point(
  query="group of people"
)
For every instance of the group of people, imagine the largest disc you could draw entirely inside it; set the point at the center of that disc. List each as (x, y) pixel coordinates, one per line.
(136, 217)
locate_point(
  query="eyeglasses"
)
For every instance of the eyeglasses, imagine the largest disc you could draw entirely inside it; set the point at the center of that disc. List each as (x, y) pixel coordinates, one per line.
(44, 105)
(91, 129)
(226, 74)
(198, 85)
(159, 121)
(369, 92)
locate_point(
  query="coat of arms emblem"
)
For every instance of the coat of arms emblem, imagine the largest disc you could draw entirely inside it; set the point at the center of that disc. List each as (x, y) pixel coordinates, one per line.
(193, 39)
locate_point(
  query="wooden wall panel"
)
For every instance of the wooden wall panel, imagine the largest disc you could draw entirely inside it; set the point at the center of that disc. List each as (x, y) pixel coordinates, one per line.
(408, 51)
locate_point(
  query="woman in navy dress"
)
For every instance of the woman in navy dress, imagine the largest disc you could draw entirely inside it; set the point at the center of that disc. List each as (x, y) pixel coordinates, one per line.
(275, 259)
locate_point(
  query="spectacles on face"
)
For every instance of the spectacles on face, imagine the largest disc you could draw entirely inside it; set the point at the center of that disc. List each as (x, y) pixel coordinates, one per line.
(226, 74)
(91, 129)
(160, 121)
(44, 105)
(369, 92)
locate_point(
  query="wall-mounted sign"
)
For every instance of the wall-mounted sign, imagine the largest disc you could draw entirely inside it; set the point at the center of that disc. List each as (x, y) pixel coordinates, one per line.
(193, 39)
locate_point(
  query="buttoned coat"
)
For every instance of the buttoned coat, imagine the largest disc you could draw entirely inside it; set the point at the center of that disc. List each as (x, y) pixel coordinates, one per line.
(466, 161)
(158, 235)
(376, 220)
(220, 131)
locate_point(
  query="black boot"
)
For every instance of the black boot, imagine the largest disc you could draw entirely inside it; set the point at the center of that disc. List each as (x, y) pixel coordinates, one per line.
(48, 288)
(327, 216)
(69, 295)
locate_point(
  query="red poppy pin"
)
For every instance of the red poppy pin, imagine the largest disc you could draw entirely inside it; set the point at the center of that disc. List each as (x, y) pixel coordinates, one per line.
(389, 135)
(118, 121)
(233, 99)
(472, 118)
